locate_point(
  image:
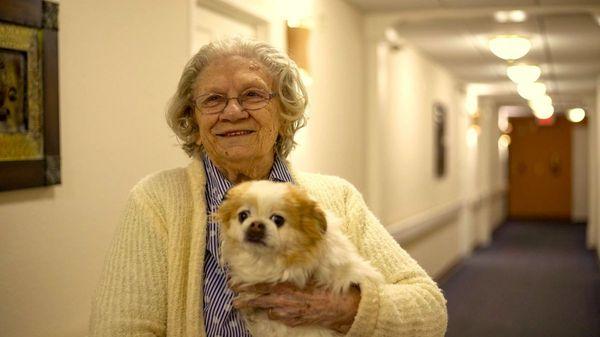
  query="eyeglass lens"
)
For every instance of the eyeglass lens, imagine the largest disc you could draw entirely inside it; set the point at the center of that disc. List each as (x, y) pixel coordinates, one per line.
(248, 100)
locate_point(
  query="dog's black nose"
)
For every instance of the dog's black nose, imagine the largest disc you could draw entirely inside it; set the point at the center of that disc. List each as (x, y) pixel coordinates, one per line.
(256, 232)
(257, 226)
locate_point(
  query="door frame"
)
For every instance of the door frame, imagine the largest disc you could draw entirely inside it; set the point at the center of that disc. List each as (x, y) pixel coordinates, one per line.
(234, 12)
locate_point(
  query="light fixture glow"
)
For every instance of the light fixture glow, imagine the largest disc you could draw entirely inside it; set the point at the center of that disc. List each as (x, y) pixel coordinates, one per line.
(503, 123)
(391, 35)
(517, 16)
(299, 14)
(503, 141)
(510, 16)
(510, 47)
(472, 135)
(576, 115)
(540, 101)
(522, 73)
(531, 90)
(543, 111)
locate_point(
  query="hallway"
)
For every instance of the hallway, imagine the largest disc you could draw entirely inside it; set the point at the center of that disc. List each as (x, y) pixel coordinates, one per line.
(545, 283)
(447, 116)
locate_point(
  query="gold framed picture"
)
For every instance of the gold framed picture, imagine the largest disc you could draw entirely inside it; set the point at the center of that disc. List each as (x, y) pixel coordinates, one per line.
(29, 94)
(21, 136)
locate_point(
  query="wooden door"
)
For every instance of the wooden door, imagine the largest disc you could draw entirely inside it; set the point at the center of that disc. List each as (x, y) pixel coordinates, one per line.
(540, 170)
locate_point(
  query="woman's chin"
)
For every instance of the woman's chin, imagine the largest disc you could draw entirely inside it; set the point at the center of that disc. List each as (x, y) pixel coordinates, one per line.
(235, 154)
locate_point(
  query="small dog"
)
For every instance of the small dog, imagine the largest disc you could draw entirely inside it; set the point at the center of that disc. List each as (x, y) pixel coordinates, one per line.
(273, 233)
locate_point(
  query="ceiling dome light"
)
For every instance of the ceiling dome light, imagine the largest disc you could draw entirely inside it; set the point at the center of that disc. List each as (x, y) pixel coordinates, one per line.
(540, 101)
(531, 90)
(522, 73)
(510, 47)
(543, 111)
(517, 16)
(576, 115)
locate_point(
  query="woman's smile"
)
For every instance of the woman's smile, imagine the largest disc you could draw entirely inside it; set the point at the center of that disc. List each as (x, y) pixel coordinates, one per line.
(235, 133)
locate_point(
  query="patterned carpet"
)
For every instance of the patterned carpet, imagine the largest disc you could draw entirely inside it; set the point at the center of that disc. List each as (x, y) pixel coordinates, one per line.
(536, 279)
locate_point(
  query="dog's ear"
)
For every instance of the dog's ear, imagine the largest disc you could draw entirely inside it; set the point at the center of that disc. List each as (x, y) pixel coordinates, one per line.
(318, 216)
(231, 203)
(313, 217)
(225, 211)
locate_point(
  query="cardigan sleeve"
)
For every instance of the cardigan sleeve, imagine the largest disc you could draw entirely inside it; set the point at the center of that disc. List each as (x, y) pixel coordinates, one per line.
(131, 297)
(409, 303)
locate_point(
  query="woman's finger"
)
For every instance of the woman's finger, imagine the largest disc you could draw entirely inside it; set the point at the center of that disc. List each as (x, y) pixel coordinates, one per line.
(263, 288)
(261, 302)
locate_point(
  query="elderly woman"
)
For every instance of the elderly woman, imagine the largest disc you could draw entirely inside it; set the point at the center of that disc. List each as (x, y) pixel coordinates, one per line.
(236, 110)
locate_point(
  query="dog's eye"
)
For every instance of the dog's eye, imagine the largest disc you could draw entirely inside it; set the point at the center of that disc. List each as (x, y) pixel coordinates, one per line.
(243, 215)
(278, 220)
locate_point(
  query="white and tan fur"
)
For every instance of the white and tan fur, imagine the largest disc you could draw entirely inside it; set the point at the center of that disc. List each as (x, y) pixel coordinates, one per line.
(309, 246)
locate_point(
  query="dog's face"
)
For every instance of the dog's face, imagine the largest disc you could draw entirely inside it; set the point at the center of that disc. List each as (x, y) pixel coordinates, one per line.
(272, 220)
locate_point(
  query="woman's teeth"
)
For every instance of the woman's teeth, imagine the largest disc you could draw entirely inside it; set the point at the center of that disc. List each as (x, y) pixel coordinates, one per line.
(236, 133)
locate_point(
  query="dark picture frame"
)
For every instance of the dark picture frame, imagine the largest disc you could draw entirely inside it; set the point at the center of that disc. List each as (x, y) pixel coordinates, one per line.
(29, 111)
(439, 117)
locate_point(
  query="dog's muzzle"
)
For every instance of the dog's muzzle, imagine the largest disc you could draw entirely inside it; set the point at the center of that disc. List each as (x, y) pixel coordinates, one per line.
(255, 232)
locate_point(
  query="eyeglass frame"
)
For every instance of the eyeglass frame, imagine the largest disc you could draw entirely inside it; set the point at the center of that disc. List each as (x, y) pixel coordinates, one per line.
(267, 100)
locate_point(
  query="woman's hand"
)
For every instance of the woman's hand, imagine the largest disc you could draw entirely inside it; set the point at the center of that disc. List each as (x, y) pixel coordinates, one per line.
(312, 305)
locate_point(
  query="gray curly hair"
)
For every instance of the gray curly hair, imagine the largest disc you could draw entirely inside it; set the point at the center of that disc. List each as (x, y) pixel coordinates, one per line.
(289, 87)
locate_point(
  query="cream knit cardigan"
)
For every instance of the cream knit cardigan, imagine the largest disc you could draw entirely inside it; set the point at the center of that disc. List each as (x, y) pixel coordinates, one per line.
(152, 280)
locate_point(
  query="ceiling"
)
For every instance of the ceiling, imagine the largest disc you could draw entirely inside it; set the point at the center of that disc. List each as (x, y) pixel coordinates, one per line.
(565, 36)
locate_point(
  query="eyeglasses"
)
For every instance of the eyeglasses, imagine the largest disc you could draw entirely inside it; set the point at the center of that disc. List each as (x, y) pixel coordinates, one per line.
(252, 99)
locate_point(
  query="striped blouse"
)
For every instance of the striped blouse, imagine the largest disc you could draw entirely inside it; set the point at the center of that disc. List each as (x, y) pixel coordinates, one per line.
(221, 319)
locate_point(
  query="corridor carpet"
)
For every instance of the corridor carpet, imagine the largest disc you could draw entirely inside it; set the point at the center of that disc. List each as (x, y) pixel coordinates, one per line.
(535, 279)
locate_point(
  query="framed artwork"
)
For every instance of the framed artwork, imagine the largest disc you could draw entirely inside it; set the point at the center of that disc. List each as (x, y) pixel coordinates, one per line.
(20, 94)
(439, 113)
(29, 133)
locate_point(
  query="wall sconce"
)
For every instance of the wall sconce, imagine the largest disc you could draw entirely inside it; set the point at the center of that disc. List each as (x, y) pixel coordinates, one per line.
(298, 38)
(473, 135)
(503, 141)
(474, 129)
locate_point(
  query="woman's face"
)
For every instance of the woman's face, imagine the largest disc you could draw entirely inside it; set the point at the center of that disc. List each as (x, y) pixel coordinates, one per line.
(235, 134)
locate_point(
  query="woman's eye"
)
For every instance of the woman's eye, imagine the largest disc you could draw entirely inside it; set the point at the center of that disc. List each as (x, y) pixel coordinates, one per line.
(243, 215)
(254, 94)
(278, 220)
(212, 99)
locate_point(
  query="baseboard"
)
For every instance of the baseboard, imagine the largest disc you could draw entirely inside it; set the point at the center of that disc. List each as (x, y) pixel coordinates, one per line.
(424, 222)
(449, 270)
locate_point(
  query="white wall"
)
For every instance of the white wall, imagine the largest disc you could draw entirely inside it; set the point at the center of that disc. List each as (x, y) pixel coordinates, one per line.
(401, 153)
(491, 173)
(334, 140)
(438, 221)
(579, 150)
(408, 138)
(593, 230)
(120, 62)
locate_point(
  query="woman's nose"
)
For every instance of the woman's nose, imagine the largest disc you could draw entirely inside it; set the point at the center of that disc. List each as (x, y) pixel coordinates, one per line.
(233, 111)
